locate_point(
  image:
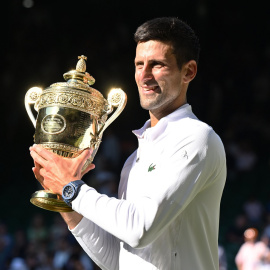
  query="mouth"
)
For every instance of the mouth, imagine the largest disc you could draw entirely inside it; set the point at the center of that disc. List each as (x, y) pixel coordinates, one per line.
(148, 89)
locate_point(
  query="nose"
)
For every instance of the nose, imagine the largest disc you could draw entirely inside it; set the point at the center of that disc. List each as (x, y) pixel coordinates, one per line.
(145, 73)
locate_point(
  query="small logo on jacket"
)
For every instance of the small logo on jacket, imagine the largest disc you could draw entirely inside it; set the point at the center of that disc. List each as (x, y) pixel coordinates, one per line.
(151, 167)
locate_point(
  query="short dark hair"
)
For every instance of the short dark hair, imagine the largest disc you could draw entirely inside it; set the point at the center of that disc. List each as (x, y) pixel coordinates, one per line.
(184, 41)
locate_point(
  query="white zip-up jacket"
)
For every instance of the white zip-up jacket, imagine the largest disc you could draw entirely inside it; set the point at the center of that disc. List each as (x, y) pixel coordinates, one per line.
(167, 214)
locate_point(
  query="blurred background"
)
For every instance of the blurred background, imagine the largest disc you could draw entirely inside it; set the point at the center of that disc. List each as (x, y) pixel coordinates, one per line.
(42, 39)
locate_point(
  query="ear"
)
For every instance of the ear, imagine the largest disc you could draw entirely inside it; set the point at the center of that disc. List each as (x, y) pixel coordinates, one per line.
(190, 71)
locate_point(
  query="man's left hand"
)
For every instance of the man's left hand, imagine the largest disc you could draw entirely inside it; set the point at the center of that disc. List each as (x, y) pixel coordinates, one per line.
(54, 171)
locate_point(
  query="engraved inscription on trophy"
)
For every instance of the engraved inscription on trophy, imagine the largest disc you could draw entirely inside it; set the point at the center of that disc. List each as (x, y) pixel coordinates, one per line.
(72, 116)
(53, 124)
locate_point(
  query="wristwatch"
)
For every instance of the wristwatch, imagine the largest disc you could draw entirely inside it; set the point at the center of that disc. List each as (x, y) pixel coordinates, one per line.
(71, 190)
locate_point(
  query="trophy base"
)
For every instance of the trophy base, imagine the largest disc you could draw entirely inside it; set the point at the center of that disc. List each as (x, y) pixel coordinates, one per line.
(47, 200)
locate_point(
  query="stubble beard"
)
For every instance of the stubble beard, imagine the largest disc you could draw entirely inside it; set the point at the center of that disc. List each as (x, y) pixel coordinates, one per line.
(151, 103)
(158, 103)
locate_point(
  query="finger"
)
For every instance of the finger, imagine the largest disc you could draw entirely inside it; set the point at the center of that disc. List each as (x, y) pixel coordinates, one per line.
(43, 152)
(38, 177)
(38, 166)
(88, 168)
(37, 158)
(42, 172)
(86, 153)
(84, 159)
(36, 173)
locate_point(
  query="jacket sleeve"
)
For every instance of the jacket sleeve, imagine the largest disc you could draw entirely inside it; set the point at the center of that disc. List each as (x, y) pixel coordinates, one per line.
(101, 247)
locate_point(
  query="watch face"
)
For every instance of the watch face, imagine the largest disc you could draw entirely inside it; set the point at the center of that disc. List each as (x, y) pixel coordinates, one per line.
(68, 192)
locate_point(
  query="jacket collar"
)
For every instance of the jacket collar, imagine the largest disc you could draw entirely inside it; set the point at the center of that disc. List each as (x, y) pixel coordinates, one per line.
(148, 132)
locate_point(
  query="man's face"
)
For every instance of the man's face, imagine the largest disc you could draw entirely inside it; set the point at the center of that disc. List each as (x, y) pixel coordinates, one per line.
(158, 77)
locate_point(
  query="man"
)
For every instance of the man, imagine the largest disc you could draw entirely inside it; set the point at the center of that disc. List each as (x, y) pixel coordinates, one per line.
(253, 254)
(167, 214)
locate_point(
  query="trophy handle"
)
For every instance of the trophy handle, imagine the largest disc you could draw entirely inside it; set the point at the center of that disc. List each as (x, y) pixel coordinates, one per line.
(116, 98)
(31, 97)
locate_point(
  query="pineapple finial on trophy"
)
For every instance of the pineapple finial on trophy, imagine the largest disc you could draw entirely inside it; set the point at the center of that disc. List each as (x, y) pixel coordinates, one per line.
(80, 74)
(81, 65)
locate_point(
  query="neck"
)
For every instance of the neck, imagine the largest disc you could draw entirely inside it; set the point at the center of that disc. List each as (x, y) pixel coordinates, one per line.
(156, 115)
(153, 119)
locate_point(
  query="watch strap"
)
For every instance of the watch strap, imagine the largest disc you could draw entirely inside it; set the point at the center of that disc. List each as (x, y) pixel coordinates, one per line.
(77, 183)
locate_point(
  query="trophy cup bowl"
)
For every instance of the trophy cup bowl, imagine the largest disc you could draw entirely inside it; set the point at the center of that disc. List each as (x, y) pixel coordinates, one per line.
(71, 116)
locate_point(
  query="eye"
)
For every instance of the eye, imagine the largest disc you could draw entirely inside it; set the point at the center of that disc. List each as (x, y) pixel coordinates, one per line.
(139, 65)
(157, 64)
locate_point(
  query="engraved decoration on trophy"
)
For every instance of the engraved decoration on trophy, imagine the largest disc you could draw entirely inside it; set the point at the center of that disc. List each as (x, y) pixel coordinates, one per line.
(72, 116)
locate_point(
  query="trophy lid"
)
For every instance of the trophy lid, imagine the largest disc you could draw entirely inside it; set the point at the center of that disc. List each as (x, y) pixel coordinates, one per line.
(78, 79)
(80, 74)
(75, 93)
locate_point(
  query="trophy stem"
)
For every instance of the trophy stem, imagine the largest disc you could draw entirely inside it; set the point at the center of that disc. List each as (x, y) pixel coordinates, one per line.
(47, 200)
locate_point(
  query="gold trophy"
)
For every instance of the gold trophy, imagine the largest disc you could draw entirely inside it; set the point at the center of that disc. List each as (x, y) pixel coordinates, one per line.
(72, 116)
